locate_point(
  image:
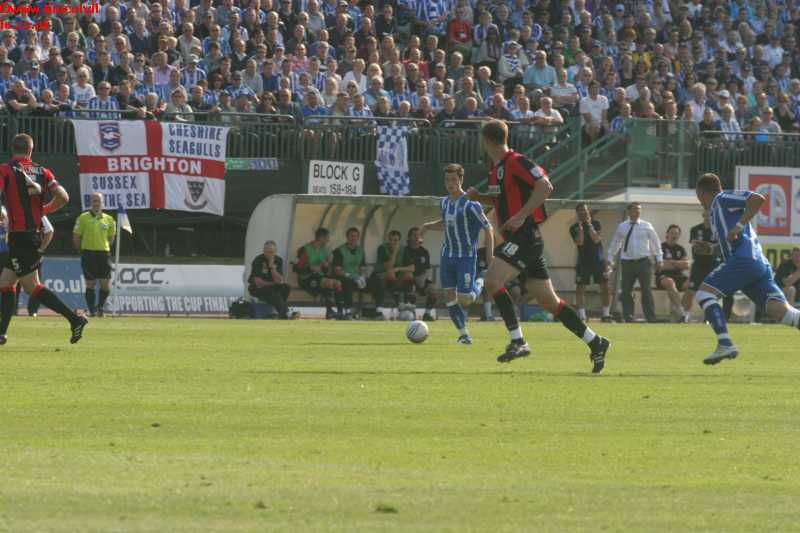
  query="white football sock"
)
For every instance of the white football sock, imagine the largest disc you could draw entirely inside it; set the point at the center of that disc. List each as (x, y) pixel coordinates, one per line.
(606, 310)
(792, 317)
(582, 313)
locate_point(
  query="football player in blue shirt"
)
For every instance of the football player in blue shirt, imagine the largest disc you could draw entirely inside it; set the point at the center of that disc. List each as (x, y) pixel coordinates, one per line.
(462, 221)
(743, 267)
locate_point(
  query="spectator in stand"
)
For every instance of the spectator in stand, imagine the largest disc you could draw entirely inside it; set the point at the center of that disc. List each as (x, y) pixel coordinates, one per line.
(564, 94)
(540, 75)
(546, 116)
(594, 110)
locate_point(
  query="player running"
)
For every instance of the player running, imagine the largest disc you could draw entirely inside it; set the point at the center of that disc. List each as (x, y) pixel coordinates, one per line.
(462, 221)
(518, 189)
(23, 184)
(743, 267)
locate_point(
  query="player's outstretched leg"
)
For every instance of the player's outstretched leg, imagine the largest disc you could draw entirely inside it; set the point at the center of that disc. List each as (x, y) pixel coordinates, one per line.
(459, 318)
(598, 345)
(714, 316)
(8, 300)
(517, 347)
(49, 299)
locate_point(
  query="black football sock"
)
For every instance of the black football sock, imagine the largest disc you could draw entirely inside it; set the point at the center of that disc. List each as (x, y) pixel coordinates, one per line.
(430, 302)
(506, 306)
(8, 299)
(567, 315)
(328, 299)
(103, 297)
(90, 300)
(49, 298)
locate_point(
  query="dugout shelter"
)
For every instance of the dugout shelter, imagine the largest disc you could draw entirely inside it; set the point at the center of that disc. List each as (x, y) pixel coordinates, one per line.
(291, 219)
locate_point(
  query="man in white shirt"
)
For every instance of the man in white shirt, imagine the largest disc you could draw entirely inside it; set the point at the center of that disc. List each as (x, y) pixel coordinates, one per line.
(639, 242)
(594, 110)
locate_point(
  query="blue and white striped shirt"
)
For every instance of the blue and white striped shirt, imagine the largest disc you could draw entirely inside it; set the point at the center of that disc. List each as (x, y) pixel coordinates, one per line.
(109, 104)
(190, 79)
(143, 89)
(726, 210)
(463, 221)
(240, 90)
(36, 84)
(5, 85)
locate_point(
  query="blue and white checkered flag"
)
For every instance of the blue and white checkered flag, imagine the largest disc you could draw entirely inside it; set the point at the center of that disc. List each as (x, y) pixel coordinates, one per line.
(392, 160)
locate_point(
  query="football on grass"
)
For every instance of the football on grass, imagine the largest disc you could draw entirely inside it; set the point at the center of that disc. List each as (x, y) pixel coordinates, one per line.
(417, 331)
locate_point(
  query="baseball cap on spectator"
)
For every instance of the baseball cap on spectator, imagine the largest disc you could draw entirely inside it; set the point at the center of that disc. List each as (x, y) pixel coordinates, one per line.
(6, 63)
(224, 92)
(724, 94)
(194, 59)
(61, 70)
(620, 7)
(236, 76)
(34, 64)
(342, 3)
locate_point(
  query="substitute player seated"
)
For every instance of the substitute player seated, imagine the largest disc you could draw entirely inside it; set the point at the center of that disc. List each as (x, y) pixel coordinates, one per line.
(314, 273)
(423, 285)
(671, 277)
(25, 186)
(266, 281)
(350, 267)
(393, 273)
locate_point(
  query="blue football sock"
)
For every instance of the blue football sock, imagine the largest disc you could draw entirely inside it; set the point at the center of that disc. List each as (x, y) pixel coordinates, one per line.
(715, 317)
(457, 315)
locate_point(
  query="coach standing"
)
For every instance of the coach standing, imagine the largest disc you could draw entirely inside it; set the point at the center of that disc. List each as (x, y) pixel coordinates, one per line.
(639, 242)
(93, 234)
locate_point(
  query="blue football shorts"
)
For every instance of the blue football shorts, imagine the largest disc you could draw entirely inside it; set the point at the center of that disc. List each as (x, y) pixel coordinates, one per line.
(754, 278)
(458, 273)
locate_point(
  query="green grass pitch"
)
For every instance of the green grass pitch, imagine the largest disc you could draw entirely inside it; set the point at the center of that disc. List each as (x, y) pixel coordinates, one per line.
(217, 425)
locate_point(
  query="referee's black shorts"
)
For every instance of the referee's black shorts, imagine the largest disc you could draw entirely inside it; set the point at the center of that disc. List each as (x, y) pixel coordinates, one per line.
(23, 252)
(96, 264)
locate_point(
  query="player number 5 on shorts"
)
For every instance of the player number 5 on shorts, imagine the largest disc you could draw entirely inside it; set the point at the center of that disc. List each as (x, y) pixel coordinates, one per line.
(510, 248)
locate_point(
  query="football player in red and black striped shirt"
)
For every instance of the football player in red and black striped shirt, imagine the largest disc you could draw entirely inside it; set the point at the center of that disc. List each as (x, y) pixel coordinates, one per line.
(25, 185)
(518, 189)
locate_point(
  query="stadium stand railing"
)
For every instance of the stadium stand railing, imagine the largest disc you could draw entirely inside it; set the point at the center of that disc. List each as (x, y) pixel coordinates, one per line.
(647, 152)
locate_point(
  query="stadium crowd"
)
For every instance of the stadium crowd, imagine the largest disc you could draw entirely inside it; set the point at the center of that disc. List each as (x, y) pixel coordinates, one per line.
(729, 66)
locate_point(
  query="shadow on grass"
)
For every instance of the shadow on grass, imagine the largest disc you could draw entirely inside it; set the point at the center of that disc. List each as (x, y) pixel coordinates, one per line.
(535, 373)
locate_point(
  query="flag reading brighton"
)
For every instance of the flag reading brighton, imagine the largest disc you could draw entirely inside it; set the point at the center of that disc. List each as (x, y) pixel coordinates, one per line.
(148, 164)
(392, 160)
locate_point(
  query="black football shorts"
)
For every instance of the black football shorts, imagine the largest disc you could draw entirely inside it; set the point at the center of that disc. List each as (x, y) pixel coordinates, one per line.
(23, 252)
(96, 264)
(677, 277)
(698, 274)
(588, 273)
(524, 250)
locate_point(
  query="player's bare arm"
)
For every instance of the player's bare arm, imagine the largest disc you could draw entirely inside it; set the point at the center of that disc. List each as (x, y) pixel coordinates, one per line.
(593, 233)
(488, 239)
(541, 192)
(751, 209)
(434, 225)
(578, 239)
(477, 196)
(60, 199)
